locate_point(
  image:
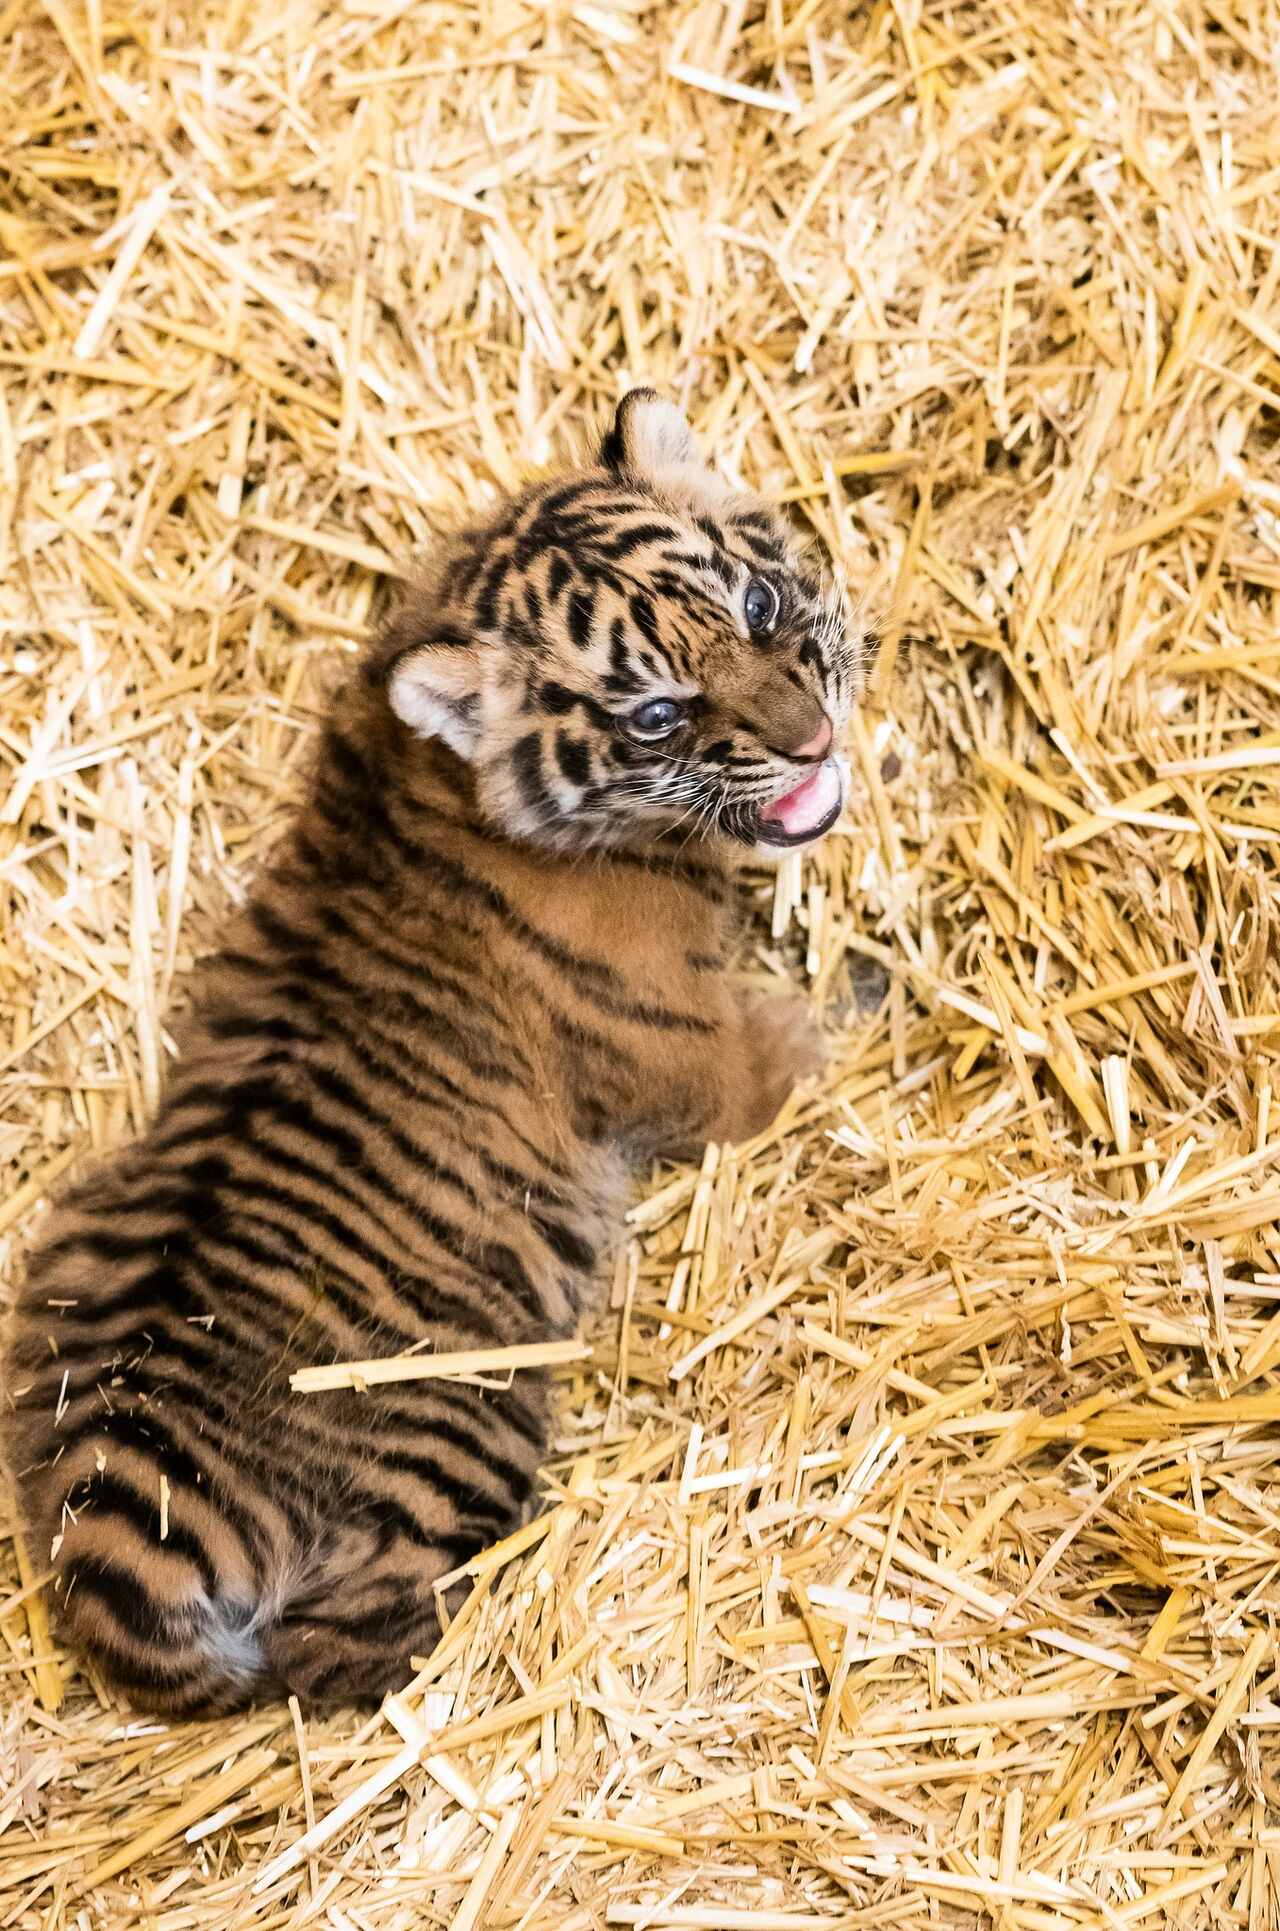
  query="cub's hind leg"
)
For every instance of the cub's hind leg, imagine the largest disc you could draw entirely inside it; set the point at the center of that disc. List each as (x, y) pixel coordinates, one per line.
(442, 1471)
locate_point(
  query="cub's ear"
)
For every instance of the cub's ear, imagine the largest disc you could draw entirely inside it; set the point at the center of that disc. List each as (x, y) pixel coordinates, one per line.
(649, 435)
(434, 688)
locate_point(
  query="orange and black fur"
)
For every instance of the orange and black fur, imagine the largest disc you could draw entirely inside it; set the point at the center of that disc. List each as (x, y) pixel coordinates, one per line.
(485, 973)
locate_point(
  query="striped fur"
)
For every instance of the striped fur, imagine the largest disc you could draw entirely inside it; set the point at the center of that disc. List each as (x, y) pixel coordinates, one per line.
(483, 975)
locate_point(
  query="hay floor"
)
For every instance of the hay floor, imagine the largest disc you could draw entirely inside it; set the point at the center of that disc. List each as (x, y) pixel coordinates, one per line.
(912, 1554)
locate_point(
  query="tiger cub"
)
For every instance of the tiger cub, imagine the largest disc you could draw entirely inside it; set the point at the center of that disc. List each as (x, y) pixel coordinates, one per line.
(483, 974)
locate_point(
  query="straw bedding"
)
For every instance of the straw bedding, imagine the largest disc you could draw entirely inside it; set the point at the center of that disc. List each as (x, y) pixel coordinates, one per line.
(912, 1548)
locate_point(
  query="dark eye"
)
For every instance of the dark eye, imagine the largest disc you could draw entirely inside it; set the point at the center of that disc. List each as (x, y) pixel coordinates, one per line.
(656, 719)
(759, 604)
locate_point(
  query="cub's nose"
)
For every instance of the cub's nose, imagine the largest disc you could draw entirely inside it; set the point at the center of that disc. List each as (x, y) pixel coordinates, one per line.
(818, 745)
(791, 721)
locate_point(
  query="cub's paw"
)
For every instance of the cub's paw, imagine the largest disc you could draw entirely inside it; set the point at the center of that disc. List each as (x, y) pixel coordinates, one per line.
(781, 1045)
(782, 1035)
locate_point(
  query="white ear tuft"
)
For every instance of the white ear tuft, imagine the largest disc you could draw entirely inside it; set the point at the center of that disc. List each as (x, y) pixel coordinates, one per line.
(435, 690)
(649, 435)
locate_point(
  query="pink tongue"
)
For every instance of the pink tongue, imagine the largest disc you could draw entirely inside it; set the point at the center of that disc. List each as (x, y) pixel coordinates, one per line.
(800, 810)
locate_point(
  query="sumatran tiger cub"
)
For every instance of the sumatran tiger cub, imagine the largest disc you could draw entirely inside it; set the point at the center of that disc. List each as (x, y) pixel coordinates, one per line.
(484, 974)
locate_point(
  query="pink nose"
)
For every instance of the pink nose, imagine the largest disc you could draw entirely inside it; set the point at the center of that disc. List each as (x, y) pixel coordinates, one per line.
(819, 744)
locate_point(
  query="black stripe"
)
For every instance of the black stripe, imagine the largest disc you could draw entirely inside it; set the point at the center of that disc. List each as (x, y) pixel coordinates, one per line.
(526, 762)
(632, 537)
(622, 678)
(522, 1185)
(316, 1274)
(265, 1098)
(527, 1419)
(564, 1242)
(455, 1426)
(110, 1494)
(579, 616)
(556, 698)
(127, 1598)
(460, 1486)
(492, 582)
(558, 575)
(460, 1545)
(443, 1035)
(573, 758)
(494, 1257)
(201, 1186)
(277, 931)
(234, 1023)
(644, 617)
(392, 1514)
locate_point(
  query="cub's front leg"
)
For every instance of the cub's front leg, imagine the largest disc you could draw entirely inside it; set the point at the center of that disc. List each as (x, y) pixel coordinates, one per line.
(733, 1083)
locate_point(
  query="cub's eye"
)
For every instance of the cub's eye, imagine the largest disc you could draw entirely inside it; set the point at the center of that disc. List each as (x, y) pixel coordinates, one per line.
(656, 719)
(759, 604)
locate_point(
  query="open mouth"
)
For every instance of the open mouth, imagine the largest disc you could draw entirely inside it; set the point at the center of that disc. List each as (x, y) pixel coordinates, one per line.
(805, 813)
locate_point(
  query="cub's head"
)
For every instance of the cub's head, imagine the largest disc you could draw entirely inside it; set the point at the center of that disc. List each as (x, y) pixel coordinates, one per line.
(631, 651)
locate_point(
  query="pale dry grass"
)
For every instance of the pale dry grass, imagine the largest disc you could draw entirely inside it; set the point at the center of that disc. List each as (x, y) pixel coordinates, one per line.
(912, 1549)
